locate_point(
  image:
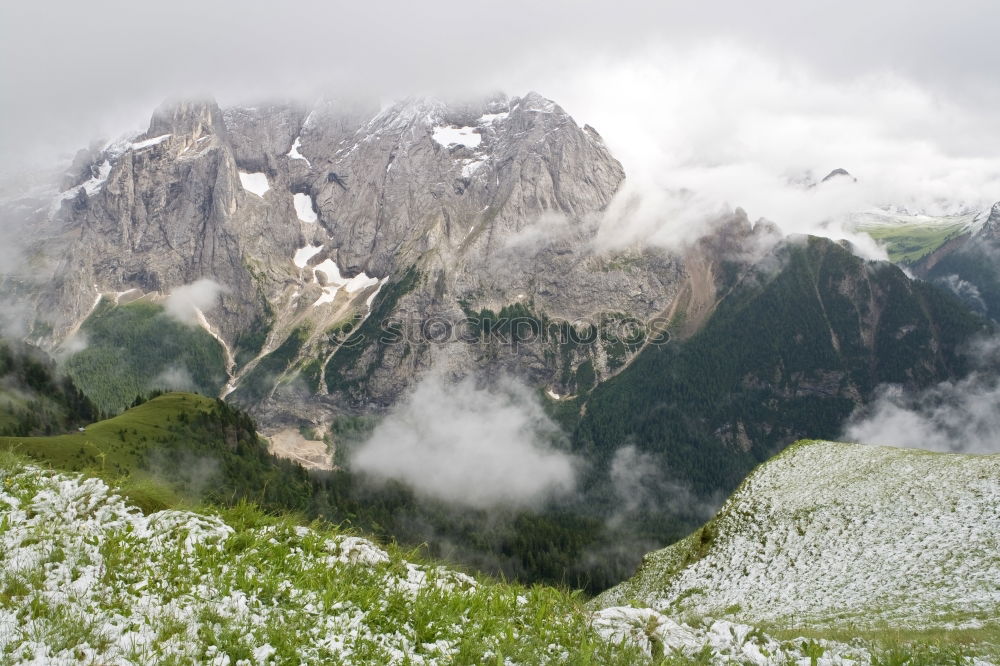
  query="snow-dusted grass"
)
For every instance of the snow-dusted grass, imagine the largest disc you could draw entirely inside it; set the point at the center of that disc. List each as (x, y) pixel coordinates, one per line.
(842, 537)
(88, 579)
(716, 642)
(254, 182)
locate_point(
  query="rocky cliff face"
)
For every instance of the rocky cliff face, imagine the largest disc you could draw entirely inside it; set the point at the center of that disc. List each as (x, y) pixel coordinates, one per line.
(312, 219)
(969, 264)
(991, 228)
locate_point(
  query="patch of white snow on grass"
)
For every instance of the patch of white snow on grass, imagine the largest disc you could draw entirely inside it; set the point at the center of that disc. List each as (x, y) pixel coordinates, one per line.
(254, 182)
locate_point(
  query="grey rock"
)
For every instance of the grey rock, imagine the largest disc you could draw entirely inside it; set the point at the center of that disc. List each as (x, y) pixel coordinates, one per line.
(492, 203)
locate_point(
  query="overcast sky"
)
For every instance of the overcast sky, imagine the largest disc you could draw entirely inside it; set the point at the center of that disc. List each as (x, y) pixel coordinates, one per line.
(759, 88)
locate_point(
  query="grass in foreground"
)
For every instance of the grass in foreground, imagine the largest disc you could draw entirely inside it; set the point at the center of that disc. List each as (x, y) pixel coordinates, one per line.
(86, 579)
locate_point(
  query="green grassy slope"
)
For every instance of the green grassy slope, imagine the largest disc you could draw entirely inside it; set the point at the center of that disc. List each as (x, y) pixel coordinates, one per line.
(178, 446)
(909, 243)
(239, 586)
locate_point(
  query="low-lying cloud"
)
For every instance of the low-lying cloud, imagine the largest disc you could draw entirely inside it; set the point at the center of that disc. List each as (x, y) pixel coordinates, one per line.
(641, 486)
(184, 303)
(960, 416)
(703, 130)
(173, 378)
(470, 445)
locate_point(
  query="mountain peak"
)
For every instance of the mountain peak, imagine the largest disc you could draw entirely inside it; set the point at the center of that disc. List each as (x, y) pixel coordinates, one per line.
(189, 118)
(838, 173)
(533, 101)
(993, 221)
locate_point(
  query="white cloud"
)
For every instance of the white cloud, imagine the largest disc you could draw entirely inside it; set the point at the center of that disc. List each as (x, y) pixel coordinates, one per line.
(184, 302)
(642, 487)
(478, 447)
(952, 416)
(173, 378)
(703, 130)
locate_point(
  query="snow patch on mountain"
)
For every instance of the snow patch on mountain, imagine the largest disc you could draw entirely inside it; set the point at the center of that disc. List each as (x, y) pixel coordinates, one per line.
(304, 207)
(359, 282)
(96, 182)
(450, 136)
(294, 154)
(334, 281)
(156, 140)
(304, 254)
(471, 166)
(371, 296)
(328, 267)
(254, 182)
(490, 118)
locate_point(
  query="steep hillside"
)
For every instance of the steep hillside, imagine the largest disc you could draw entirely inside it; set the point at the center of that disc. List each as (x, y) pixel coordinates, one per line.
(177, 447)
(35, 399)
(135, 349)
(801, 339)
(970, 266)
(830, 536)
(87, 577)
